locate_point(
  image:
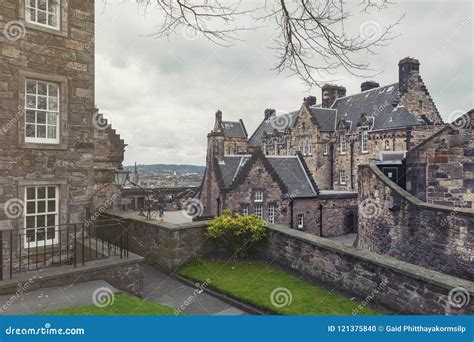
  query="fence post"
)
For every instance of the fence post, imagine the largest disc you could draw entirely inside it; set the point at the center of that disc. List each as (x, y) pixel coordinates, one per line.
(75, 245)
(1, 255)
(83, 244)
(11, 254)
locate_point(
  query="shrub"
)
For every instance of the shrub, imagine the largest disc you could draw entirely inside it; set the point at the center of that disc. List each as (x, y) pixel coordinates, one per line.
(237, 233)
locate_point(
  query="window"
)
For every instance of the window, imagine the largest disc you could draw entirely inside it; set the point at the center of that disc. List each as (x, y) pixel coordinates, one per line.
(42, 112)
(271, 213)
(41, 215)
(326, 149)
(308, 145)
(258, 211)
(43, 13)
(265, 147)
(342, 144)
(305, 146)
(364, 141)
(245, 210)
(387, 144)
(288, 148)
(275, 146)
(300, 221)
(258, 196)
(342, 177)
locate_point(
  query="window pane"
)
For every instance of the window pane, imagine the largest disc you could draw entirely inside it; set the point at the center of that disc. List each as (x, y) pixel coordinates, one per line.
(30, 193)
(52, 119)
(41, 206)
(32, 14)
(41, 17)
(51, 206)
(53, 90)
(41, 117)
(51, 233)
(30, 235)
(41, 132)
(40, 234)
(31, 208)
(51, 192)
(42, 4)
(30, 131)
(30, 87)
(42, 192)
(42, 102)
(51, 132)
(52, 20)
(51, 220)
(32, 3)
(42, 88)
(31, 101)
(53, 104)
(41, 221)
(30, 116)
(30, 222)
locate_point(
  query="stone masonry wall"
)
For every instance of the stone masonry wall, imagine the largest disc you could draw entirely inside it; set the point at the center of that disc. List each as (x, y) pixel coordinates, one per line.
(335, 215)
(392, 222)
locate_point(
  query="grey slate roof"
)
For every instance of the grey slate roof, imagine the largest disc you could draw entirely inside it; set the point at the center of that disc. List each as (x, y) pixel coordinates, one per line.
(288, 168)
(233, 129)
(325, 118)
(281, 122)
(292, 173)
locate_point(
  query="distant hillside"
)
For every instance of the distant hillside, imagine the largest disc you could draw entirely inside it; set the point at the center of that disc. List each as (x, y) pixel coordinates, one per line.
(167, 168)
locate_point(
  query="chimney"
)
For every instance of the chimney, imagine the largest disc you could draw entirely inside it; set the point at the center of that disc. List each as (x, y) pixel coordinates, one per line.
(406, 67)
(215, 140)
(367, 85)
(310, 100)
(330, 93)
(218, 122)
(269, 113)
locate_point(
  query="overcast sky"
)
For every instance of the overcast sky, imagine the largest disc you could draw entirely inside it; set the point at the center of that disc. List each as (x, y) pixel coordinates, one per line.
(161, 95)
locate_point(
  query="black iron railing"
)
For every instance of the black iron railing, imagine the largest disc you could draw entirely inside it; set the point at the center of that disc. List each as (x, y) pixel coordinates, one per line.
(70, 244)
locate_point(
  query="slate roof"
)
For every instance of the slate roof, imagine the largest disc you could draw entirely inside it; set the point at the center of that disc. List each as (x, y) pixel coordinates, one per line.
(380, 105)
(289, 170)
(234, 129)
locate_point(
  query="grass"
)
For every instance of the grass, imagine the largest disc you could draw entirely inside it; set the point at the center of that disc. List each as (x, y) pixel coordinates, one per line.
(124, 305)
(253, 283)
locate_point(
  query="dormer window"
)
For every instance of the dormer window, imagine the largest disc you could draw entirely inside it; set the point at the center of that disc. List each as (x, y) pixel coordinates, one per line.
(342, 144)
(258, 196)
(326, 149)
(44, 13)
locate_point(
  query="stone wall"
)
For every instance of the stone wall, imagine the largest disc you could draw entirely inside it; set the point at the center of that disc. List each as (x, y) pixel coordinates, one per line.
(441, 169)
(398, 286)
(392, 222)
(336, 213)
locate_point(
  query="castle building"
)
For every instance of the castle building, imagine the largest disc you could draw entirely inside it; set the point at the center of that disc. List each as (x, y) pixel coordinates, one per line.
(381, 124)
(58, 153)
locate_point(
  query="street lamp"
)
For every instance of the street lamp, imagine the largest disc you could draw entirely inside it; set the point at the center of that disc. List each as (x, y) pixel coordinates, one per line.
(120, 177)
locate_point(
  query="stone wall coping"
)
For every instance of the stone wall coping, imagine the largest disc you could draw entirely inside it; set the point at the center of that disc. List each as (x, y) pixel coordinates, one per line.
(413, 271)
(55, 273)
(158, 224)
(412, 199)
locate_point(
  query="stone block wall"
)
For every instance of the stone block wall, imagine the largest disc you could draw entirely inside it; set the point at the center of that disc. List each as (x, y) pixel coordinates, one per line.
(336, 213)
(392, 222)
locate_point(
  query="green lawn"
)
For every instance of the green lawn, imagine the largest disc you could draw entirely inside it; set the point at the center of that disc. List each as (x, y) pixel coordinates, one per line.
(123, 304)
(254, 282)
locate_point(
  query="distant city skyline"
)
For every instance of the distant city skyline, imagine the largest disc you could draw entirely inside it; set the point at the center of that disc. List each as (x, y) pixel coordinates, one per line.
(161, 95)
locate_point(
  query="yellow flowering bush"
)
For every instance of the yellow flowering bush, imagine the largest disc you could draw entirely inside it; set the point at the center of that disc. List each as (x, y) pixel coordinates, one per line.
(237, 233)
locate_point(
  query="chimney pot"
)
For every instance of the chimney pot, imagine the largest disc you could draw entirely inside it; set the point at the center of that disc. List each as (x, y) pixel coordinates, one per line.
(310, 100)
(406, 66)
(269, 113)
(330, 93)
(367, 85)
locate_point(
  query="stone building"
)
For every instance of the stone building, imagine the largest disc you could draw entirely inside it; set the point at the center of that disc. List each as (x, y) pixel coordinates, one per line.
(58, 153)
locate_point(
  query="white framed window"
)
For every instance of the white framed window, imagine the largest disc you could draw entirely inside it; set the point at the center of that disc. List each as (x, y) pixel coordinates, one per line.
(300, 221)
(326, 149)
(364, 141)
(44, 13)
(42, 112)
(271, 213)
(264, 147)
(288, 148)
(342, 176)
(342, 144)
(275, 146)
(387, 144)
(245, 210)
(258, 210)
(41, 215)
(309, 145)
(258, 196)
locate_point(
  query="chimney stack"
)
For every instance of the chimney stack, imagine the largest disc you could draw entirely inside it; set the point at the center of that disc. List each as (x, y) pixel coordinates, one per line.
(330, 93)
(269, 113)
(310, 100)
(367, 85)
(406, 67)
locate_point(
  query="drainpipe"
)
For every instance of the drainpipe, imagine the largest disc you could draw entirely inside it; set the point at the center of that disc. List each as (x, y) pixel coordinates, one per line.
(320, 220)
(218, 206)
(291, 213)
(352, 166)
(331, 160)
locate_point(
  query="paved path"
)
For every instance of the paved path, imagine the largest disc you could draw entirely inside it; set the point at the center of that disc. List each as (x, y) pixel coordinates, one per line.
(158, 287)
(161, 288)
(51, 298)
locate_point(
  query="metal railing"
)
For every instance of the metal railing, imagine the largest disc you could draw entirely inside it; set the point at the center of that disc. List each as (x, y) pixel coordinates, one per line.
(69, 244)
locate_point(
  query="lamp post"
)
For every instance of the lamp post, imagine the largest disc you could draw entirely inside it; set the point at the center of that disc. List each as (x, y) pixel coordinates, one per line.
(121, 177)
